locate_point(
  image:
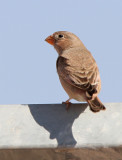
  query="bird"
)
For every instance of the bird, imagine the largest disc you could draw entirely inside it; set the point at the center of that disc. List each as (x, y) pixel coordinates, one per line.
(77, 70)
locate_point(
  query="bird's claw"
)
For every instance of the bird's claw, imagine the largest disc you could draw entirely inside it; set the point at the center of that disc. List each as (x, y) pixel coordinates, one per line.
(67, 103)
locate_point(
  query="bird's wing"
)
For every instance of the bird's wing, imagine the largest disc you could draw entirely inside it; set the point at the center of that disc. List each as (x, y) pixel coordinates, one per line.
(80, 70)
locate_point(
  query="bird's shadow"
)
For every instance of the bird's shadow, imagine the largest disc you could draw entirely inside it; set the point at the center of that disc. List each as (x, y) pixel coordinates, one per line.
(57, 120)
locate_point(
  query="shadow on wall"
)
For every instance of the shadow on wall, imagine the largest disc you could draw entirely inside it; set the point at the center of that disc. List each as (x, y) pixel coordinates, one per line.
(57, 120)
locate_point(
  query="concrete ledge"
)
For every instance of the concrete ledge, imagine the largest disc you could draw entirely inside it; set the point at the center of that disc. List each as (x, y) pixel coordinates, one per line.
(51, 126)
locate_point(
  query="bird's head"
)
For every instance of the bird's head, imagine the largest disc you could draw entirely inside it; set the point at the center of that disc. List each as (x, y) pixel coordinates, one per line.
(63, 40)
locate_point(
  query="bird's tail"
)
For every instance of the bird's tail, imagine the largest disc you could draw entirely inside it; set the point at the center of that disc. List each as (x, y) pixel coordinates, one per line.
(96, 105)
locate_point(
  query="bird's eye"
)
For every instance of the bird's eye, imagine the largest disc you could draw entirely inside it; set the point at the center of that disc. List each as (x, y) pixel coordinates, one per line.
(60, 36)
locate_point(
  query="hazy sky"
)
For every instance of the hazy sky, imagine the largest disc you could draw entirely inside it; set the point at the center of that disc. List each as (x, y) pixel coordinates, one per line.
(28, 63)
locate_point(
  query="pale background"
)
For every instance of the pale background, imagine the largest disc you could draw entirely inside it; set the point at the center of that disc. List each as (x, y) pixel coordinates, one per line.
(28, 63)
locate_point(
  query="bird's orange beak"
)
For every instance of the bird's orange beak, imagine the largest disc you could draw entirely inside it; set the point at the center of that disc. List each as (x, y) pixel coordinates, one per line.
(50, 40)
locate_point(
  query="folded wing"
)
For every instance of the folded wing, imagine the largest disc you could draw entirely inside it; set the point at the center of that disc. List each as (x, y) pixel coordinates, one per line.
(80, 70)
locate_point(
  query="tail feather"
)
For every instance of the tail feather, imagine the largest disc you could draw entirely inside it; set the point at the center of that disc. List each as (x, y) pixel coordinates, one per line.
(96, 105)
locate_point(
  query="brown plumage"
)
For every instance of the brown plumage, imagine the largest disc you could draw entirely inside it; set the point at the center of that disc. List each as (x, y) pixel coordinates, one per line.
(77, 69)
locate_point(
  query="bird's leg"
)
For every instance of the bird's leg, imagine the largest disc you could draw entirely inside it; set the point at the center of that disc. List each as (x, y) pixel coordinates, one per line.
(67, 103)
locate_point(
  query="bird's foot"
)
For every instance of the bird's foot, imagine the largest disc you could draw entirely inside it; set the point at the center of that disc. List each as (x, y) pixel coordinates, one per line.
(67, 103)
